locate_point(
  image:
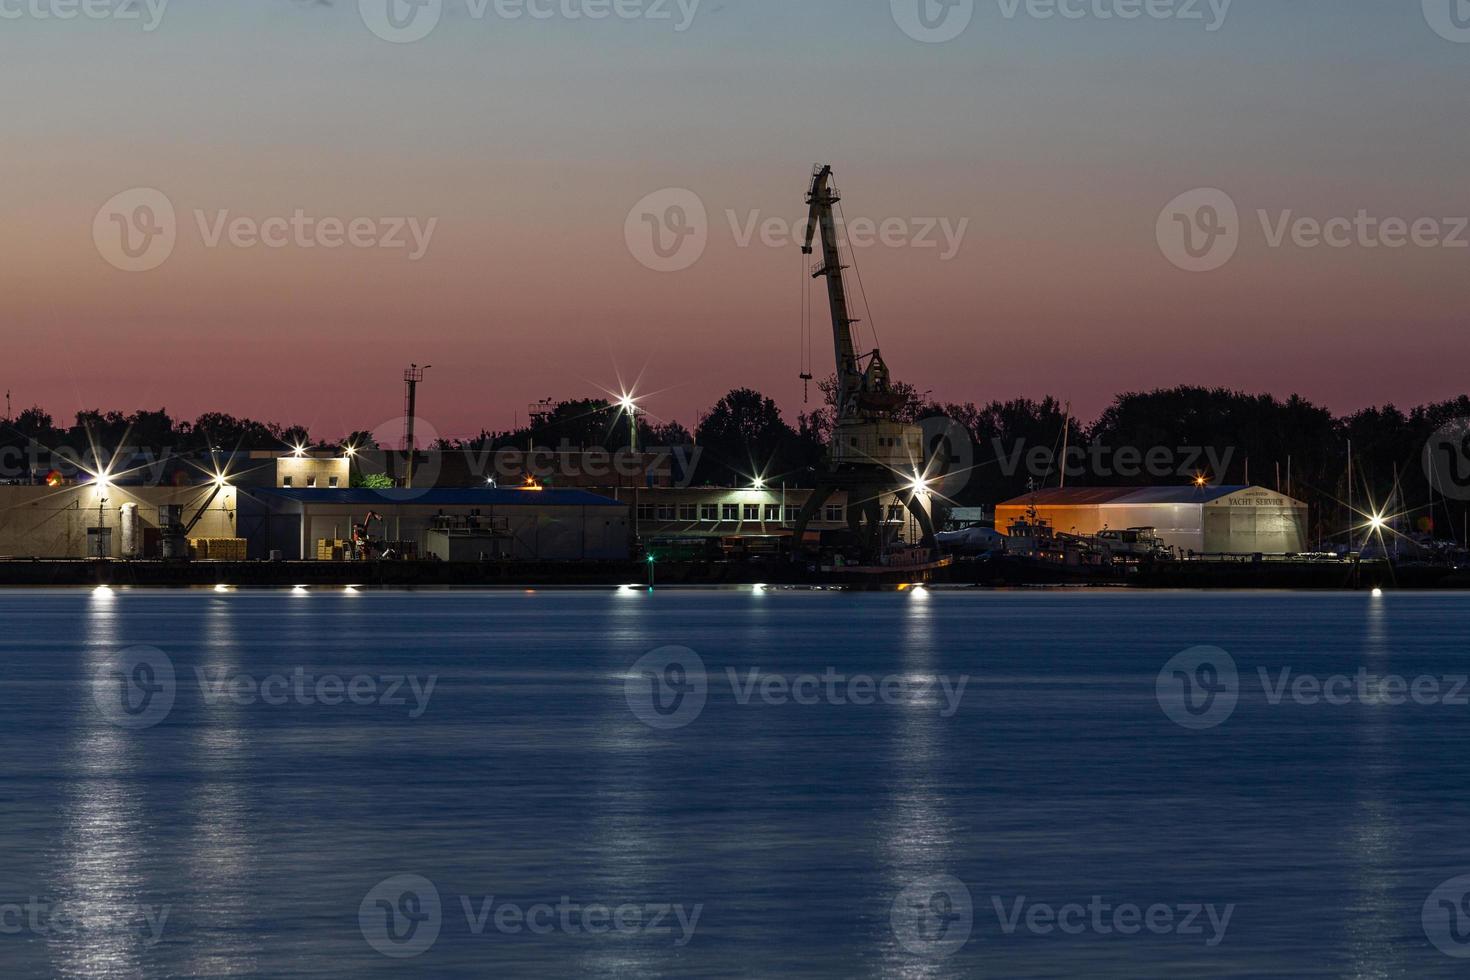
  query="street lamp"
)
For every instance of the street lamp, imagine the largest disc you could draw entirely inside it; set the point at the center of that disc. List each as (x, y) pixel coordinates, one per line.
(628, 404)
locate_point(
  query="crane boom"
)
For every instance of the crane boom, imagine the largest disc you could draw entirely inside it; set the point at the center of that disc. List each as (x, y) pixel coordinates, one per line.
(863, 392)
(822, 198)
(218, 486)
(872, 452)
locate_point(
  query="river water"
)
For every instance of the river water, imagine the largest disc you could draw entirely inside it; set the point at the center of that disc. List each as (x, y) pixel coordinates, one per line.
(743, 783)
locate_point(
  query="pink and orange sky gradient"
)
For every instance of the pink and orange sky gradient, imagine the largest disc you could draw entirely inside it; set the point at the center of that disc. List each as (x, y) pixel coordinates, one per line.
(1058, 141)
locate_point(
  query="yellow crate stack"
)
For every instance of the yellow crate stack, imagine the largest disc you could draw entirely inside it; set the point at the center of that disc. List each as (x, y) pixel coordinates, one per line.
(331, 549)
(218, 549)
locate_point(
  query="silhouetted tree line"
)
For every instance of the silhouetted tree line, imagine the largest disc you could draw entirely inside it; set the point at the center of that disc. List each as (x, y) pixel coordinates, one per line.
(993, 452)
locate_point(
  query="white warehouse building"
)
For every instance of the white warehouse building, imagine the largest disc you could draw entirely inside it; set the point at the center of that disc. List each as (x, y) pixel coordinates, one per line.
(1237, 520)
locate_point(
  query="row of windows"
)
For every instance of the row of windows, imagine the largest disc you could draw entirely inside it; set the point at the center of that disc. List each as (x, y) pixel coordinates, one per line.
(710, 513)
(332, 481)
(884, 442)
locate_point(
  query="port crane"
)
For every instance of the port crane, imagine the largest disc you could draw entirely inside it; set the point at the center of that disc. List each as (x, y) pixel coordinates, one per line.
(174, 531)
(364, 545)
(872, 455)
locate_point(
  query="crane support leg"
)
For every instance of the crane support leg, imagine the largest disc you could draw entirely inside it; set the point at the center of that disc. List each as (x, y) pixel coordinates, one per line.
(926, 525)
(810, 509)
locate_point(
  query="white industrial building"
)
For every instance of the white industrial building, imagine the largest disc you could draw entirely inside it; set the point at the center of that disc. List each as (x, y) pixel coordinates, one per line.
(1234, 520)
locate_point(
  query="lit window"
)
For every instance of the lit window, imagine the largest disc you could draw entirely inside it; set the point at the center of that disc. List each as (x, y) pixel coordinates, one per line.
(729, 512)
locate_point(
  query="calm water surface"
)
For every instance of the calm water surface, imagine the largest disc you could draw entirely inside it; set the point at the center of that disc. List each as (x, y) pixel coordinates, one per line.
(225, 835)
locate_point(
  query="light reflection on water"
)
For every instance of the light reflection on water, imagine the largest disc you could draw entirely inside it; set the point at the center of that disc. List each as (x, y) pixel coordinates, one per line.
(104, 842)
(1376, 838)
(918, 838)
(220, 847)
(795, 827)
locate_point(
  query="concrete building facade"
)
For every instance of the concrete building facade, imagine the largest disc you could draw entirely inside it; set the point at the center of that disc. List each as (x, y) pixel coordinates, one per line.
(545, 525)
(64, 522)
(767, 514)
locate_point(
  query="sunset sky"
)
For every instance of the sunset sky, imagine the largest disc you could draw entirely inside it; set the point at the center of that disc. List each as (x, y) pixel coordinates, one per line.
(1058, 141)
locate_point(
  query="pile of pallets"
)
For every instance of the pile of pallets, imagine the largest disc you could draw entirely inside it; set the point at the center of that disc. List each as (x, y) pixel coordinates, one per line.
(217, 549)
(332, 549)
